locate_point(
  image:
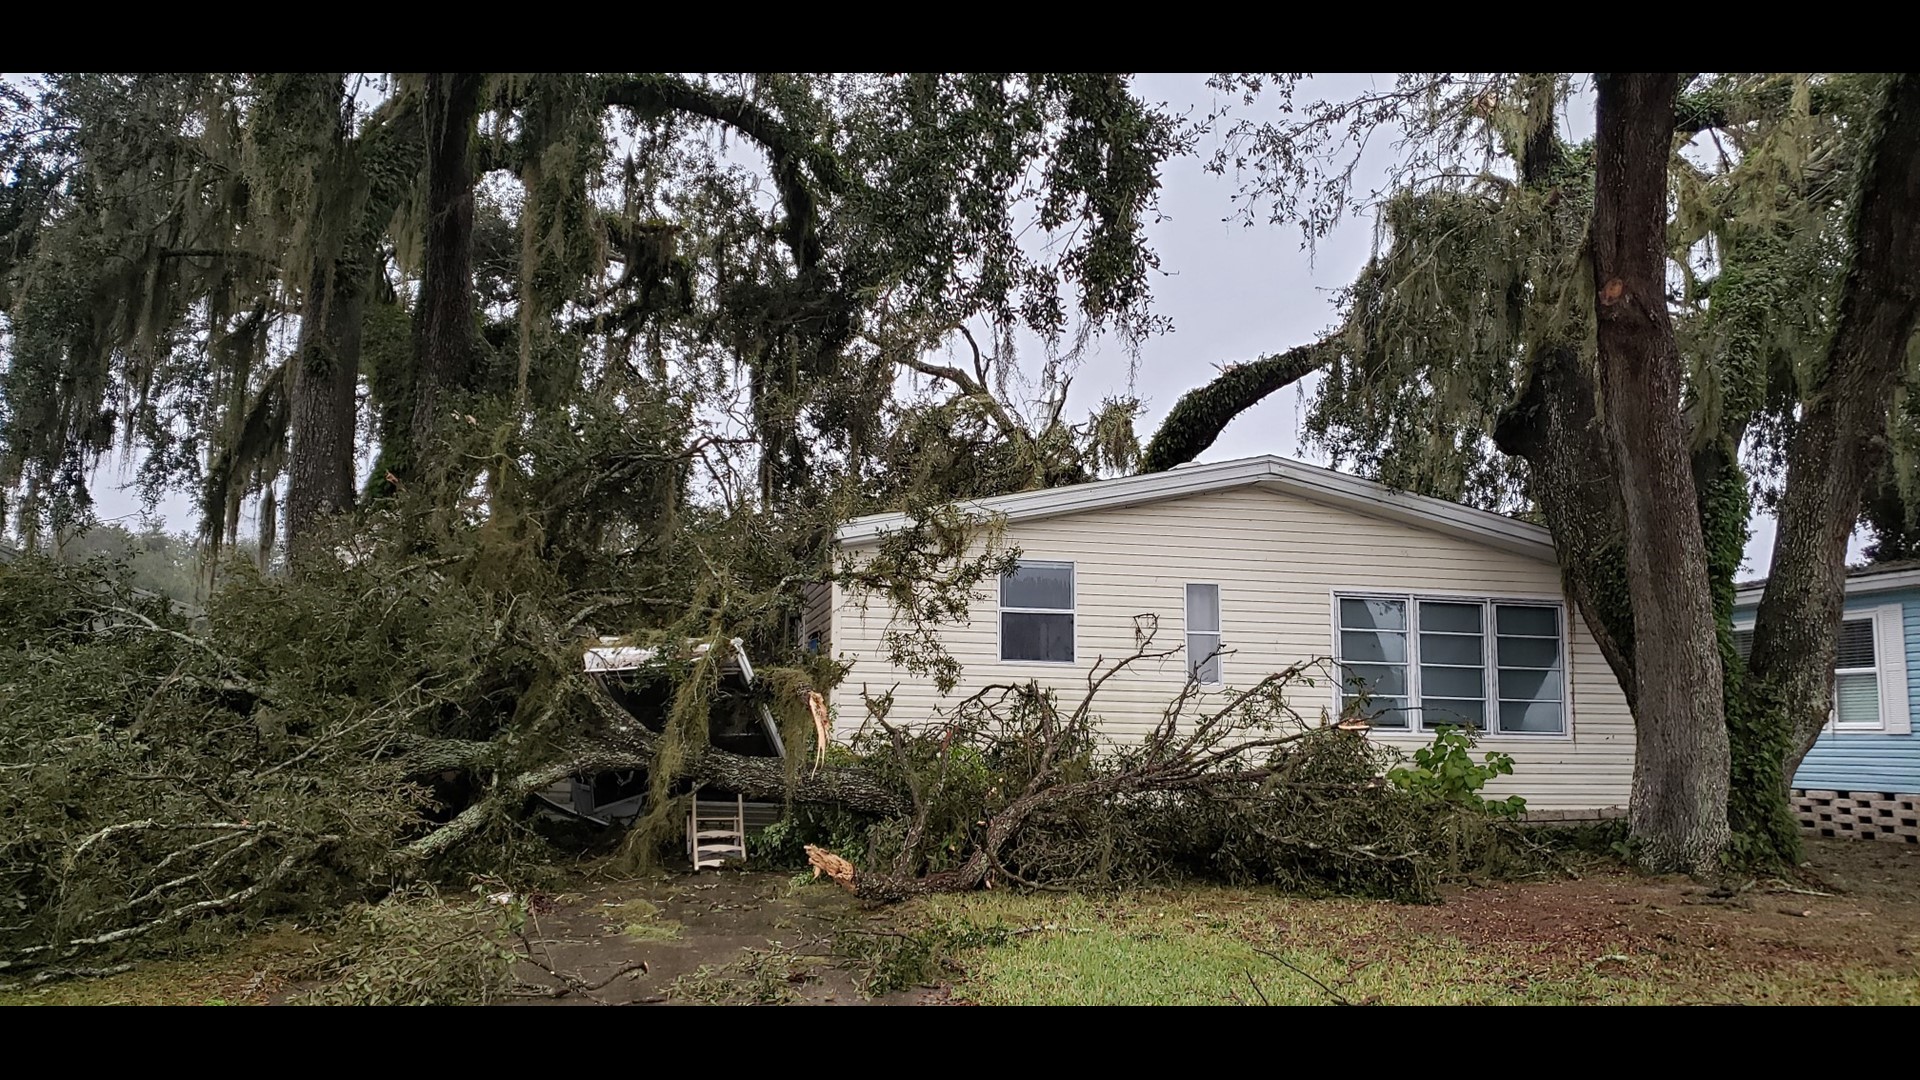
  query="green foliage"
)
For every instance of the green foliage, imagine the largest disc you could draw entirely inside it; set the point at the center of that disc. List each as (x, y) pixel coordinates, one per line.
(153, 777)
(887, 959)
(419, 949)
(1306, 809)
(783, 844)
(156, 562)
(928, 571)
(1444, 772)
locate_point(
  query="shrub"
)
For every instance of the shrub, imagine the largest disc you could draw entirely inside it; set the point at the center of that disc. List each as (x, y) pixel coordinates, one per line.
(1444, 772)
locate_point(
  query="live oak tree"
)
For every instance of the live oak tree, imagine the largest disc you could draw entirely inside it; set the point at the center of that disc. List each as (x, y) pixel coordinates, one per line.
(207, 270)
(1547, 327)
(623, 349)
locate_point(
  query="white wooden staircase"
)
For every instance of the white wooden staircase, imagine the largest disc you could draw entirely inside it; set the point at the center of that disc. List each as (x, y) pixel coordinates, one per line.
(716, 831)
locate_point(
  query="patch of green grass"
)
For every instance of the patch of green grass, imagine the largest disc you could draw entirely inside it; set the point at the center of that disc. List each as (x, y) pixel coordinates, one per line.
(639, 919)
(1218, 946)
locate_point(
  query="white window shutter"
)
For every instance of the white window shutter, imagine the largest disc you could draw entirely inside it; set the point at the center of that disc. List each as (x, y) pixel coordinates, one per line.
(1890, 647)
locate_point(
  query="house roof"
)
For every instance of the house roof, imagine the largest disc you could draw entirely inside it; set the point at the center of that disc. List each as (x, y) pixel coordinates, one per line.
(1861, 580)
(1267, 473)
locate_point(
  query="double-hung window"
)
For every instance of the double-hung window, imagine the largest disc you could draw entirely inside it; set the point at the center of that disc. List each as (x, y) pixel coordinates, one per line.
(1856, 678)
(1869, 671)
(1419, 663)
(1036, 612)
(1203, 634)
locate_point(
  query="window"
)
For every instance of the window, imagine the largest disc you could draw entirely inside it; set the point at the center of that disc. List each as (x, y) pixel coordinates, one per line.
(1856, 678)
(1036, 613)
(1869, 671)
(1427, 662)
(1532, 677)
(1373, 657)
(1203, 634)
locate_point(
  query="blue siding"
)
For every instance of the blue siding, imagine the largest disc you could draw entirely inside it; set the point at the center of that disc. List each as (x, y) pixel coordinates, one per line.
(1860, 762)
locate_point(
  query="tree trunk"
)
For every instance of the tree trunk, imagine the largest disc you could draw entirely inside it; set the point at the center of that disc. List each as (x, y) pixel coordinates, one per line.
(1679, 806)
(1841, 437)
(326, 367)
(632, 746)
(1556, 427)
(443, 325)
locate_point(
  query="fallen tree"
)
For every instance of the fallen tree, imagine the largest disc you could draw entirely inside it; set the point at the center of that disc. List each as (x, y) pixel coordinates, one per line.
(316, 741)
(1014, 787)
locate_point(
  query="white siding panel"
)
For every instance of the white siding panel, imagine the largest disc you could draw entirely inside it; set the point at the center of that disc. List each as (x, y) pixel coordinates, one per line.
(1277, 559)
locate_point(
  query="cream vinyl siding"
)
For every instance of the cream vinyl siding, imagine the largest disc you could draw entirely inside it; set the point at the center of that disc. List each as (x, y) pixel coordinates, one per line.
(1278, 559)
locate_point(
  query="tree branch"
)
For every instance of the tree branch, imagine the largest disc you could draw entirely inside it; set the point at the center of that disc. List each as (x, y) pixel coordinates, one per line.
(1200, 415)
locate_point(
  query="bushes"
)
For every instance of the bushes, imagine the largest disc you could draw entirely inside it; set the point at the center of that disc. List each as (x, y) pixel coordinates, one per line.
(1444, 772)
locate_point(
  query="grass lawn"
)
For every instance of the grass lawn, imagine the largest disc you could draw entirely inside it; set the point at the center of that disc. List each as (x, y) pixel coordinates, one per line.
(1848, 933)
(1612, 938)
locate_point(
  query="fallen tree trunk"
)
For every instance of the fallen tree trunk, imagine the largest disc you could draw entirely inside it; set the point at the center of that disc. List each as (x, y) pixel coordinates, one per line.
(632, 746)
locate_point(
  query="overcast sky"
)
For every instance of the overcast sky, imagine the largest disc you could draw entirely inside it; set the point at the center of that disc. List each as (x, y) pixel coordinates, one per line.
(1233, 293)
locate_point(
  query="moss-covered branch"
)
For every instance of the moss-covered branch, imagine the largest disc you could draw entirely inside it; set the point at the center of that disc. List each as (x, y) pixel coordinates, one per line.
(1199, 417)
(656, 95)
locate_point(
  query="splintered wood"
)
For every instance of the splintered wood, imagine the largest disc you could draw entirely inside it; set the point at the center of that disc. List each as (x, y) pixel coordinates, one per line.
(835, 867)
(822, 728)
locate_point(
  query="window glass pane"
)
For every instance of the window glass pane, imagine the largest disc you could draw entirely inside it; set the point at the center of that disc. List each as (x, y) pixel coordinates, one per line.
(1033, 585)
(1373, 614)
(1203, 657)
(1453, 682)
(1027, 636)
(1529, 652)
(1373, 645)
(1457, 618)
(1203, 607)
(1382, 680)
(1524, 685)
(1857, 700)
(1452, 649)
(1537, 621)
(1530, 716)
(1856, 644)
(1383, 712)
(1437, 711)
(1743, 643)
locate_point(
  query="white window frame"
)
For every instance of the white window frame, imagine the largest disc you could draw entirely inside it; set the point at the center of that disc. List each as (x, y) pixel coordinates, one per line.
(1072, 611)
(1890, 669)
(1218, 632)
(1416, 723)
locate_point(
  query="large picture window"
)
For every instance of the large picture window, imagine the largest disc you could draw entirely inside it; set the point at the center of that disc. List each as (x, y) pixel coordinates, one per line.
(1425, 662)
(1036, 613)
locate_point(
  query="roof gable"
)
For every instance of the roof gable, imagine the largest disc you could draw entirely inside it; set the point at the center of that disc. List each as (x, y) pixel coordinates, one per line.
(1268, 472)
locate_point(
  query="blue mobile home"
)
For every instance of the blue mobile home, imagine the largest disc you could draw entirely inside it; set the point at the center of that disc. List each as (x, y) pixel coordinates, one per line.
(1862, 779)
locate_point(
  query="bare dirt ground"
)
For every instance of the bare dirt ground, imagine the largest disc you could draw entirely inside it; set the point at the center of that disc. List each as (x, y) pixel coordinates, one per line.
(1858, 905)
(720, 935)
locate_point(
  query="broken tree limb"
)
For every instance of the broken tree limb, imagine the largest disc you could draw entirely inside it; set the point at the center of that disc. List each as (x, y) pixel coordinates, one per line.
(631, 746)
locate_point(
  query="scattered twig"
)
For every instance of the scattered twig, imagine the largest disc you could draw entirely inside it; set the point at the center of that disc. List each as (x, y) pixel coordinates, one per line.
(1336, 995)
